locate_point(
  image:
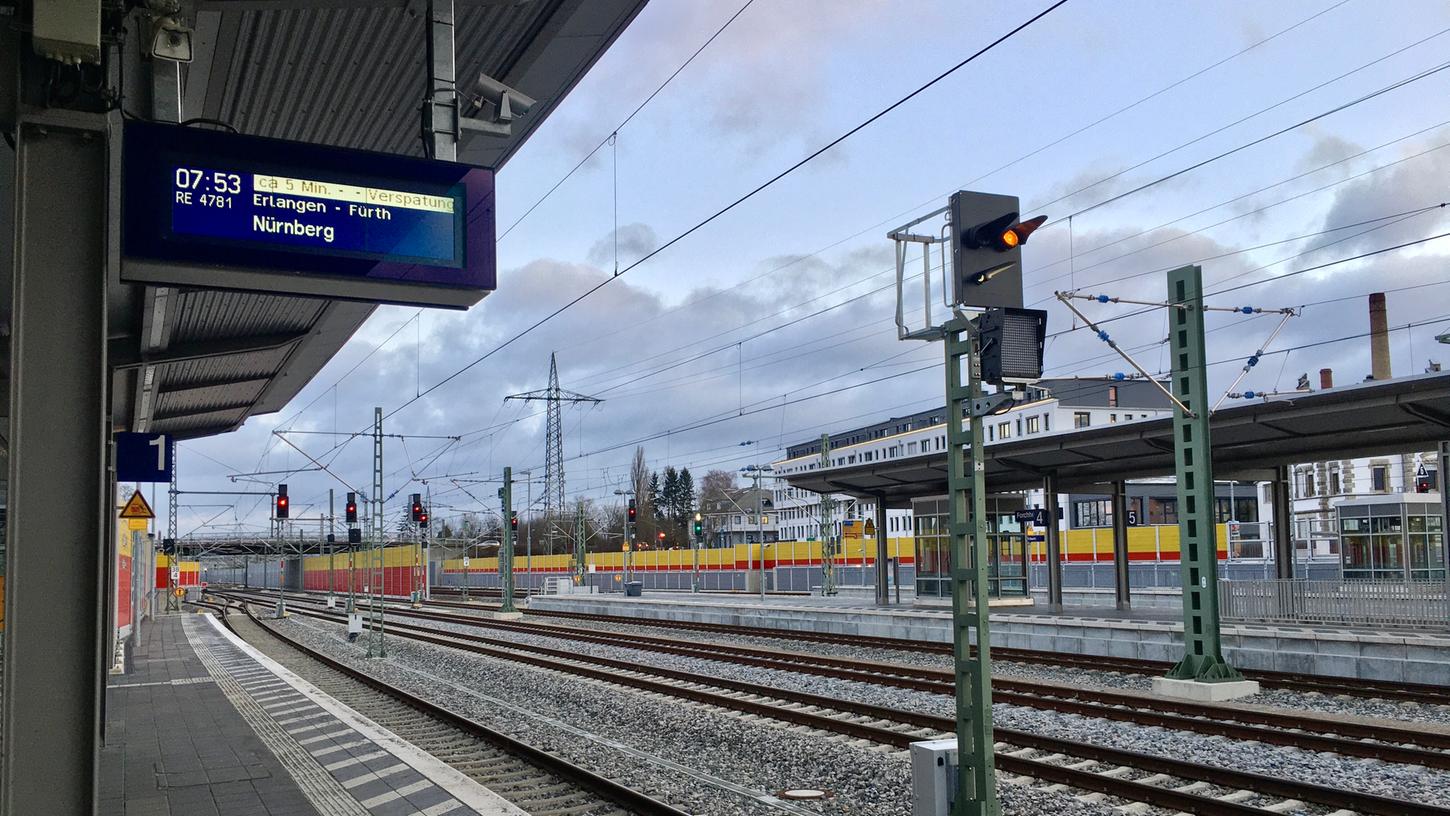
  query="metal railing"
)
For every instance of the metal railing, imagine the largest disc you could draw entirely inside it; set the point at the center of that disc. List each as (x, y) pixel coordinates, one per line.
(1342, 603)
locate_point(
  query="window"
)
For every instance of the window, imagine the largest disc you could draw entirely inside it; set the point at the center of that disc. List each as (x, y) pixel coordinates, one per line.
(990, 437)
(1047, 422)
(1019, 426)
(1081, 419)
(1162, 510)
(910, 448)
(1032, 424)
(1334, 485)
(1112, 396)
(1112, 417)
(1239, 508)
(1004, 430)
(1380, 478)
(1092, 513)
(1306, 487)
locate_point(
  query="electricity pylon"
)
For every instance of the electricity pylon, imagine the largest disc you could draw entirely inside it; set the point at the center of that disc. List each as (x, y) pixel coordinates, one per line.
(554, 396)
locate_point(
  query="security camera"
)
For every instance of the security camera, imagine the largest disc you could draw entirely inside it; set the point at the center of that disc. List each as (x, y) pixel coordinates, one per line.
(170, 39)
(507, 102)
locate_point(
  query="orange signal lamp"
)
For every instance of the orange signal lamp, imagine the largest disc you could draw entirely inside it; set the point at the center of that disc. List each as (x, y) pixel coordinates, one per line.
(1018, 235)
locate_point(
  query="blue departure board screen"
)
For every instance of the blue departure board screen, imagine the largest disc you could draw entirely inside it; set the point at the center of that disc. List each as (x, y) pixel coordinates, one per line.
(307, 213)
(202, 199)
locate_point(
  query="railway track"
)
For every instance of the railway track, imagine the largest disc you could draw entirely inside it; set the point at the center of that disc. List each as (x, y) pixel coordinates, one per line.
(1401, 692)
(1387, 743)
(537, 782)
(1021, 757)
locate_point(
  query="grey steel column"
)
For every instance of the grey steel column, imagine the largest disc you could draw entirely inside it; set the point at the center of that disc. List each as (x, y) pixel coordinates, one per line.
(59, 512)
(441, 107)
(1121, 583)
(1283, 524)
(1054, 544)
(883, 589)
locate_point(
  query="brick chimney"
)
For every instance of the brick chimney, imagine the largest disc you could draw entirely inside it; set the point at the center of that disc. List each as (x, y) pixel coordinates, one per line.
(1326, 378)
(1379, 338)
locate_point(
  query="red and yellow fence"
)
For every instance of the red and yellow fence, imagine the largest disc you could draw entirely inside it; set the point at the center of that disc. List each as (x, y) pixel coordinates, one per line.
(737, 557)
(188, 572)
(1157, 542)
(332, 571)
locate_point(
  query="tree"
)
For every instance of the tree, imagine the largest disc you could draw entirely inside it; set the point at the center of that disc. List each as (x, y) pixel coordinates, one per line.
(670, 495)
(639, 475)
(652, 497)
(716, 485)
(686, 495)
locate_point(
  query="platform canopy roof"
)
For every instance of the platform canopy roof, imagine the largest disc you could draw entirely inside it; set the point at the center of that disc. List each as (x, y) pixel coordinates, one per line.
(193, 362)
(1249, 441)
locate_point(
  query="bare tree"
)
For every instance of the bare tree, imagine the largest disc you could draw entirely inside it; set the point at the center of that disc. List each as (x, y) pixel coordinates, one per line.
(715, 486)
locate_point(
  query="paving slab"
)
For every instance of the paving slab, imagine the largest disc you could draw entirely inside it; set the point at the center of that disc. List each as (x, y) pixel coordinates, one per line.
(201, 724)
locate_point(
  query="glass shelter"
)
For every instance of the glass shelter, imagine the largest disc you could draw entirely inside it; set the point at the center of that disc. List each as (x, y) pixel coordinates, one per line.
(1392, 541)
(1007, 561)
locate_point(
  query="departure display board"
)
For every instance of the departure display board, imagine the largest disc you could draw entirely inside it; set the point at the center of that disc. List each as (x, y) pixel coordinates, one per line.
(219, 209)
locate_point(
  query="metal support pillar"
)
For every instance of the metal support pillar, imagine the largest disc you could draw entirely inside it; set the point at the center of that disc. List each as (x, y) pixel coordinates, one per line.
(506, 552)
(1444, 479)
(580, 553)
(1053, 539)
(440, 111)
(696, 540)
(883, 578)
(976, 768)
(50, 722)
(377, 647)
(760, 530)
(1122, 583)
(828, 527)
(331, 538)
(1283, 524)
(427, 551)
(1192, 456)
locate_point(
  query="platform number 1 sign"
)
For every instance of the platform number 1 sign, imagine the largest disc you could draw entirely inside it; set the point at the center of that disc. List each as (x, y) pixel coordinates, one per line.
(143, 457)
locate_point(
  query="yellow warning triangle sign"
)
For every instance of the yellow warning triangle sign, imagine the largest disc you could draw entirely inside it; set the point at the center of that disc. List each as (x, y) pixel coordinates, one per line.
(137, 508)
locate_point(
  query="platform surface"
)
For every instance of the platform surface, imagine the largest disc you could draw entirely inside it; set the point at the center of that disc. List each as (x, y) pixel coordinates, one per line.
(1403, 655)
(203, 725)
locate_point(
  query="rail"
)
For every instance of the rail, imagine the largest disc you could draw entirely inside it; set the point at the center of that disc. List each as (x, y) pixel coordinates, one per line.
(1399, 604)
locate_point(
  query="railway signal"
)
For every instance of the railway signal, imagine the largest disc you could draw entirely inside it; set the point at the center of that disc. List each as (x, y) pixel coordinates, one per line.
(987, 239)
(349, 511)
(416, 507)
(283, 504)
(632, 513)
(1012, 343)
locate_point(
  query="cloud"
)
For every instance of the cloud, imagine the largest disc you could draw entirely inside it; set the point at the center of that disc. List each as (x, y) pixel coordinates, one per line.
(633, 241)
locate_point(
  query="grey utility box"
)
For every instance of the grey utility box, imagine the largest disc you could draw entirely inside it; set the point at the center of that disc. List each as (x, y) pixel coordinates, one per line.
(933, 777)
(632, 589)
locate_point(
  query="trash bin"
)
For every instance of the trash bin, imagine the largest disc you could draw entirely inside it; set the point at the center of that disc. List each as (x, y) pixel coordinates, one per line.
(632, 589)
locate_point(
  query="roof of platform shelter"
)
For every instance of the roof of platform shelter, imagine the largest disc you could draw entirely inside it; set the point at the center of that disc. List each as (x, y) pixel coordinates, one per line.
(1249, 440)
(350, 73)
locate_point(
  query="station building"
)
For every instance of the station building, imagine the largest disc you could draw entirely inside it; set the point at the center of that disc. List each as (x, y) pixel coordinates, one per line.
(1353, 518)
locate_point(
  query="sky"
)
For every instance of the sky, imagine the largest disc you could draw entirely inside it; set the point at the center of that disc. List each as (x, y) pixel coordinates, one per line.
(774, 323)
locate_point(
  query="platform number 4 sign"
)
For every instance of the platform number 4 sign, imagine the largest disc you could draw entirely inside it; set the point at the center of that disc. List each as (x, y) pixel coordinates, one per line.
(143, 457)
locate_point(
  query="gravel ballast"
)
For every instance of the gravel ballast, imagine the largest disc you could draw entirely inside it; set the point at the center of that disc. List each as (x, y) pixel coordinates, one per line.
(760, 755)
(1396, 781)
